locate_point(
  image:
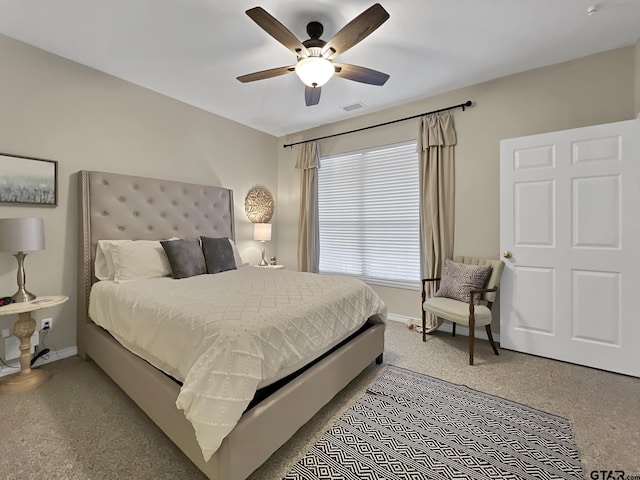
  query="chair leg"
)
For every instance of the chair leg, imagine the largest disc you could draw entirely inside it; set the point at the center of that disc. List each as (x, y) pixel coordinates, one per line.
(493, 345)
(472, 332)
(424, 325)
(453, 331)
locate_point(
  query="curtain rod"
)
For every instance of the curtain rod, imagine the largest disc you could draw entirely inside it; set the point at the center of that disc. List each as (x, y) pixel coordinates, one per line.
(468, 103)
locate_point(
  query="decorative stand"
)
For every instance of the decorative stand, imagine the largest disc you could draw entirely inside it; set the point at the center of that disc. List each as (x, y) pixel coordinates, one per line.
(27, 378)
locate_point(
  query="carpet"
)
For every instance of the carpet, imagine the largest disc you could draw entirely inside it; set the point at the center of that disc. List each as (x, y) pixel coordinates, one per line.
(412, 426)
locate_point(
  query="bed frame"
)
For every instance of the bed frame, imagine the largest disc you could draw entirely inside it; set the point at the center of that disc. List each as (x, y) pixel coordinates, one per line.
(113, 206)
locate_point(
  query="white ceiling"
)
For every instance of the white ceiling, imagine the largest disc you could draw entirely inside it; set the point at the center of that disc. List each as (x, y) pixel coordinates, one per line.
(193, 50)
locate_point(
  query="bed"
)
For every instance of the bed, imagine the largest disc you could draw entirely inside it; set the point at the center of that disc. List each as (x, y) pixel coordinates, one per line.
(113, 206)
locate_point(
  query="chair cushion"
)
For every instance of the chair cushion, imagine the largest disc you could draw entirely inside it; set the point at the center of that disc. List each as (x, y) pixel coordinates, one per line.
(458, 279)
(456, 311)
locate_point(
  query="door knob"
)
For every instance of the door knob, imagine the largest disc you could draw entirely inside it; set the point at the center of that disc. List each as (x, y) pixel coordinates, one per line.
(506, 254)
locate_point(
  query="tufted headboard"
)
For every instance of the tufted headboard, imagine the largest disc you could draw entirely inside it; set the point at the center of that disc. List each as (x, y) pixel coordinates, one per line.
(115, 207)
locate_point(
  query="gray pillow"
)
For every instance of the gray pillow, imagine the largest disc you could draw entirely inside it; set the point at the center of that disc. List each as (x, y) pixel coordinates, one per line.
(218, 254)
(185, 257)
(458, 279)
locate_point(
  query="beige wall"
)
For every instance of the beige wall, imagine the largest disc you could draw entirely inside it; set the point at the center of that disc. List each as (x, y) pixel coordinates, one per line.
(56, 109)
(588, 91)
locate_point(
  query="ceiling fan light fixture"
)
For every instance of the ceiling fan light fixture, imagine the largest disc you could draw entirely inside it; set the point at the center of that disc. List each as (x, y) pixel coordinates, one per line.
(314, 71)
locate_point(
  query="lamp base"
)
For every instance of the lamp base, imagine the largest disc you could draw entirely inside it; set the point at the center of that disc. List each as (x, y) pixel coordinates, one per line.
(263, 262)
(22, 295)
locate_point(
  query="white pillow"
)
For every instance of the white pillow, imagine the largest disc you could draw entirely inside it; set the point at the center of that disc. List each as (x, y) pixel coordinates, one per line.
(103, 265)
(104, 261)
(236, 254)
(137, 260)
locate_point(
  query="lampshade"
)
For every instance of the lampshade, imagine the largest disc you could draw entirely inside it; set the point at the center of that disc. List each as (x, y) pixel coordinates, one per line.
(262, 232)
(314, 71)
(21, 234)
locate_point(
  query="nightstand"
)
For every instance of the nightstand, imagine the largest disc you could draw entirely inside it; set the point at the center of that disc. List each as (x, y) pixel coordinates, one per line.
(275, 267)
(26, 378)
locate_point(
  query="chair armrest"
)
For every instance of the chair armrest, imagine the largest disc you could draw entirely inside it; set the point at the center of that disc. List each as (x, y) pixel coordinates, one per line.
(480, 290)
(424, 284)
(483, 290)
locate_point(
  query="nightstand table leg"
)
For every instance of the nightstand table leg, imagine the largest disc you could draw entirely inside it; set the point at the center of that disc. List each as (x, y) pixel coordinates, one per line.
(26, 378)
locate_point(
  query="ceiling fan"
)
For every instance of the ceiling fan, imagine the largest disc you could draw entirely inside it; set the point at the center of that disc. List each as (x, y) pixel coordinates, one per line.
(315, 65)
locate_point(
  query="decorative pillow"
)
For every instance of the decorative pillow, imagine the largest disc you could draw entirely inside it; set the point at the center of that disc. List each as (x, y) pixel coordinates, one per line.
(458, 279)
(185, 257)
(137, 260)
(218, 254)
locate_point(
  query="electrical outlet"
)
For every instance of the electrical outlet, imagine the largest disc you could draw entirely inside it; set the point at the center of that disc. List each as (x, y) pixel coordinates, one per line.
(46, 324)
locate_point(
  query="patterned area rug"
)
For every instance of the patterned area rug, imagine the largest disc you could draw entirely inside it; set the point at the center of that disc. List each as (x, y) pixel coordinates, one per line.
(412, 426)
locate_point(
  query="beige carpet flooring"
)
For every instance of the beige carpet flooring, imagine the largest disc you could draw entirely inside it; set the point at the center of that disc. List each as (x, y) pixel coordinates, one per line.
(81, 426)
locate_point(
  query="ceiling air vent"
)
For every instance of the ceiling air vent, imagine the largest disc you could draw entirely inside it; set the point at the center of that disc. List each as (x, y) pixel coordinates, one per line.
(355, 106)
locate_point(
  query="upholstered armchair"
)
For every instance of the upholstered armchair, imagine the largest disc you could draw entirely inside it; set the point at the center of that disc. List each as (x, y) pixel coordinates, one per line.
(465, 296)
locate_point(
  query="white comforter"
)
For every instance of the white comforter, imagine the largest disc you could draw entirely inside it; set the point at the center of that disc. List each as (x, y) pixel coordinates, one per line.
(226, 335)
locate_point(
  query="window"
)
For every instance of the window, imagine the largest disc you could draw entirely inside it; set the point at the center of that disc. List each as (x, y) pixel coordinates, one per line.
(368, 213)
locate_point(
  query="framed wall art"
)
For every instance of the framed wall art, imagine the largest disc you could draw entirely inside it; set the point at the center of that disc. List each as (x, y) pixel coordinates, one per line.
(28, 181)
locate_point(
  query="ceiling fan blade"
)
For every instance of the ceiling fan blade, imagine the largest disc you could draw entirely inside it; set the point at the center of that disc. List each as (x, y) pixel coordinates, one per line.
(278, 31)
(355, 31)
(311, 95)
(261, 75)
(360, 74)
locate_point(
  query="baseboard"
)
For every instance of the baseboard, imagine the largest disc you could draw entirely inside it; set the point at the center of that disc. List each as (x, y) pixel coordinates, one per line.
(445, 327)
(52, 356)
(399, 318)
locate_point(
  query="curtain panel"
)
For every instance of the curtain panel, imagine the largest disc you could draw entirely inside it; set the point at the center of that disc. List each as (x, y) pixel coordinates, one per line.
(436, 143)
(307, 164)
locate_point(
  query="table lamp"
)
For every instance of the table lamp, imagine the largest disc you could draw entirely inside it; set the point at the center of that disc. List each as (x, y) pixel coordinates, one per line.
(262, 233)
(21, 235)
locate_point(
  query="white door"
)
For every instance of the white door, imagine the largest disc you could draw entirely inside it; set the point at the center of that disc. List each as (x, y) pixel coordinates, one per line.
(570, 217)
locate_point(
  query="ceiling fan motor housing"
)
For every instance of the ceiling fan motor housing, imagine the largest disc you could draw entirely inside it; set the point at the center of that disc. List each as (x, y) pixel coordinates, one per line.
(315, 29)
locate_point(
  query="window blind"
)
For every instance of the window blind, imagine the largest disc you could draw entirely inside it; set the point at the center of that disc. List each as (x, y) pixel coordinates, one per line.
(368, 215)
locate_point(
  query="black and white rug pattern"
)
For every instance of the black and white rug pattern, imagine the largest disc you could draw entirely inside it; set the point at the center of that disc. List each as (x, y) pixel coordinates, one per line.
(412, 426)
